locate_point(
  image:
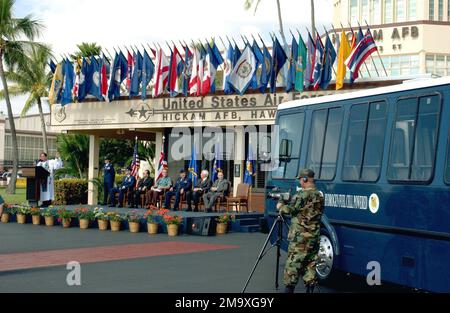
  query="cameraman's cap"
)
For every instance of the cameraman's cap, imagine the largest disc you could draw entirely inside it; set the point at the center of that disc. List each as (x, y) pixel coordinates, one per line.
(182, 171)
(306, 172)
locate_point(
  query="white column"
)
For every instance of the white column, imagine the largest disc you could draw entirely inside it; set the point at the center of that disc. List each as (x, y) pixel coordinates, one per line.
(158, 146)
(239, 156)
(94, 148)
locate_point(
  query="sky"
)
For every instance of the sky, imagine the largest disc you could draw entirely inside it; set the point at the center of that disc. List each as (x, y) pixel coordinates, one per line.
(112, 23)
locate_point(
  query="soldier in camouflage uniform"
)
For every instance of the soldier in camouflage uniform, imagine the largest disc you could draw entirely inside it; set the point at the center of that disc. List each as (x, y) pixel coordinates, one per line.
(303, 234)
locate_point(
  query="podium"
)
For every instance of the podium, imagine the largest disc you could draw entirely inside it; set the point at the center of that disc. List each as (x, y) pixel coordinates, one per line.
(35, 176)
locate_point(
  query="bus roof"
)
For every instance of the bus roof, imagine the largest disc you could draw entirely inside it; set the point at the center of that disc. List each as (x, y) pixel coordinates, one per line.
(406, 85)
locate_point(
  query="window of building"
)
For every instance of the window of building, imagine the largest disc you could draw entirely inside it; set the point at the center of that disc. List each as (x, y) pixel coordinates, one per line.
(365, 12)
(324, 142)
(354, 11)
(291, 133)
(413, 149)
(412, 10)
(400, 11)
(388, 11)
(376, 12)
(440, 10)
(365, 140)
(431, 10)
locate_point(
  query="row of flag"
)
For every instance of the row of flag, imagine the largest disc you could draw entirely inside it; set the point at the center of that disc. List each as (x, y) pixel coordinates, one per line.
(193, 70)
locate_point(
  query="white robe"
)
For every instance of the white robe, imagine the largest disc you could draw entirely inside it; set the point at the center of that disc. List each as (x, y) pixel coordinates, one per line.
(51, 166)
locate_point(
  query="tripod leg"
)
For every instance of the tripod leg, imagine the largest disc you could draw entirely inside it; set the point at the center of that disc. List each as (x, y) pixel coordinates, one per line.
(260, 254)
(279, 239)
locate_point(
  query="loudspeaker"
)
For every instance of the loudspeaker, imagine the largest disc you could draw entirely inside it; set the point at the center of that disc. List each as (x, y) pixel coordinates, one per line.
(201, 226)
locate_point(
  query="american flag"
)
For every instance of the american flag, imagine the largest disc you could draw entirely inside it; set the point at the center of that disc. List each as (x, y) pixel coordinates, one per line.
(136, 162)
(162, 164)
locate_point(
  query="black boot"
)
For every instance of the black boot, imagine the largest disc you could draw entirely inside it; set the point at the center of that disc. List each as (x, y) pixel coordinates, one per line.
(310, 288)
(289, 289)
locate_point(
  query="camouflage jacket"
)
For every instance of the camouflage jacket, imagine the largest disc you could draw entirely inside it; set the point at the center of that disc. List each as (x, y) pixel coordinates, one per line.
(306, 213)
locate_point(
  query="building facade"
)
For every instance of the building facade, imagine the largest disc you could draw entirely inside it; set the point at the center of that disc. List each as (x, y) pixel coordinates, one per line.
(29, 140)
(411, 35)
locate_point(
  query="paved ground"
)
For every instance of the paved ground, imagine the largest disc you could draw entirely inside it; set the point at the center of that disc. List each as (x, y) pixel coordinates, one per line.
(31, 259)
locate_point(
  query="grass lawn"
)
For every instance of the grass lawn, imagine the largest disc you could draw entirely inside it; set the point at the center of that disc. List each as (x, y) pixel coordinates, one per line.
(19, 197)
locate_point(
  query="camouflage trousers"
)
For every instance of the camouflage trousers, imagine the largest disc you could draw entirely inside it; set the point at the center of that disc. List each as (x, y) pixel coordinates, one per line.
(301, 260)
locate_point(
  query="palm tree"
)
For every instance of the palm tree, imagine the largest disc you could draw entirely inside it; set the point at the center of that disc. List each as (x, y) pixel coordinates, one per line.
(74, 149)
(33, 79)
(12, 51)
(87, 49)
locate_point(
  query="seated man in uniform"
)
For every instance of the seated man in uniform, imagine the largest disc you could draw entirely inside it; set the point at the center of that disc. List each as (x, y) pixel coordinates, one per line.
(162, 184)
(144, 184)
(200, 189)
(182, 185)
(127, 186)
(2, 204)
(219, 188)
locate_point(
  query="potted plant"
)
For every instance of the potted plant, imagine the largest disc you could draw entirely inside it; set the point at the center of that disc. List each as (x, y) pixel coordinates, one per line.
(102, 218)
(49, 216)
(152, 222)
(65, 217)
(22, 211)
(172, 222)
(222, 223)
(114, 219)
(35, 215)
(133, 219)
(84, 217)
(7, 212)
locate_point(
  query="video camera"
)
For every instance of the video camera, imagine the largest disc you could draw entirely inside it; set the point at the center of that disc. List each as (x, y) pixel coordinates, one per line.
(284, 197)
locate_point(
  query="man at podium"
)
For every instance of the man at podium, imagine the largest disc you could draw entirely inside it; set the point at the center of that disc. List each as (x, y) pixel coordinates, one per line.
(47, 187)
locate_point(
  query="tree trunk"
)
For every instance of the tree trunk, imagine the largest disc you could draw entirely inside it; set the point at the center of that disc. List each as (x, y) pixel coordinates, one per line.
(280, 22)
(44, 131)
(313, 21)
(11, 189)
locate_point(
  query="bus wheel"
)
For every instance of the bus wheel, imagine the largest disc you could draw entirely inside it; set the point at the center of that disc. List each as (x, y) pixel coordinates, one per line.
(325, 257)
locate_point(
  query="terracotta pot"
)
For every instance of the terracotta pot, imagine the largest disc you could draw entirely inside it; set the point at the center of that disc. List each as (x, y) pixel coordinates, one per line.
(21, 218)
(134, 227)
(152, 228)
(115, 225)
(36, 219)
(66, 222)
(221, 228)
(84, 223)
(172, 230)
(49, 220)
(102, 224)
(5, 217)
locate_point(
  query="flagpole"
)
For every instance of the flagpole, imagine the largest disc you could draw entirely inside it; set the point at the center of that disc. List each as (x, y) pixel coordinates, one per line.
(264, 44)
(378, 52)
(373, 62)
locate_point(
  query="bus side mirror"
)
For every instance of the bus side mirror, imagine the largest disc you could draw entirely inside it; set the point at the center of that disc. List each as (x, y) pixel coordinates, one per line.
(285, 148)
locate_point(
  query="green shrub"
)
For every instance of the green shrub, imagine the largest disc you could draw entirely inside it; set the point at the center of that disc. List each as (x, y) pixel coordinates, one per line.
(71, 191)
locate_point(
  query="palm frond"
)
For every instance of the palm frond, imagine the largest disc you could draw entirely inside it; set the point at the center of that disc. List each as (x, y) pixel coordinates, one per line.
(28, 26)
(28, 104)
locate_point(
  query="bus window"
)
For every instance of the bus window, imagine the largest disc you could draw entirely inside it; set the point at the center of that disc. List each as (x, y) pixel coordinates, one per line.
(324, 142)
(365, 139)
(426, 138)
(290, 133)
(413, 148)
(447, 170)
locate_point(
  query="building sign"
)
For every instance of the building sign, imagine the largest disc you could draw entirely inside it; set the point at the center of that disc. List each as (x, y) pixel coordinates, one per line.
(253, 109)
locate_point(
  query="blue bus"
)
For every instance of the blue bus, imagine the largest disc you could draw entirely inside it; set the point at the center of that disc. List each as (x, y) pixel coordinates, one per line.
(382, 160)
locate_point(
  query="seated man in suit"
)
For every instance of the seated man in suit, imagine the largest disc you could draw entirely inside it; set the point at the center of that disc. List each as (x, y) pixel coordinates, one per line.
(162, 185)
(127, 186)
(144, 184)
(219, 188)
(200, 189)
(182, 185)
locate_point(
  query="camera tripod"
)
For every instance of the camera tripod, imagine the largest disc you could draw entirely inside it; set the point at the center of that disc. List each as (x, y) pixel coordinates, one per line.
(279, 221)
